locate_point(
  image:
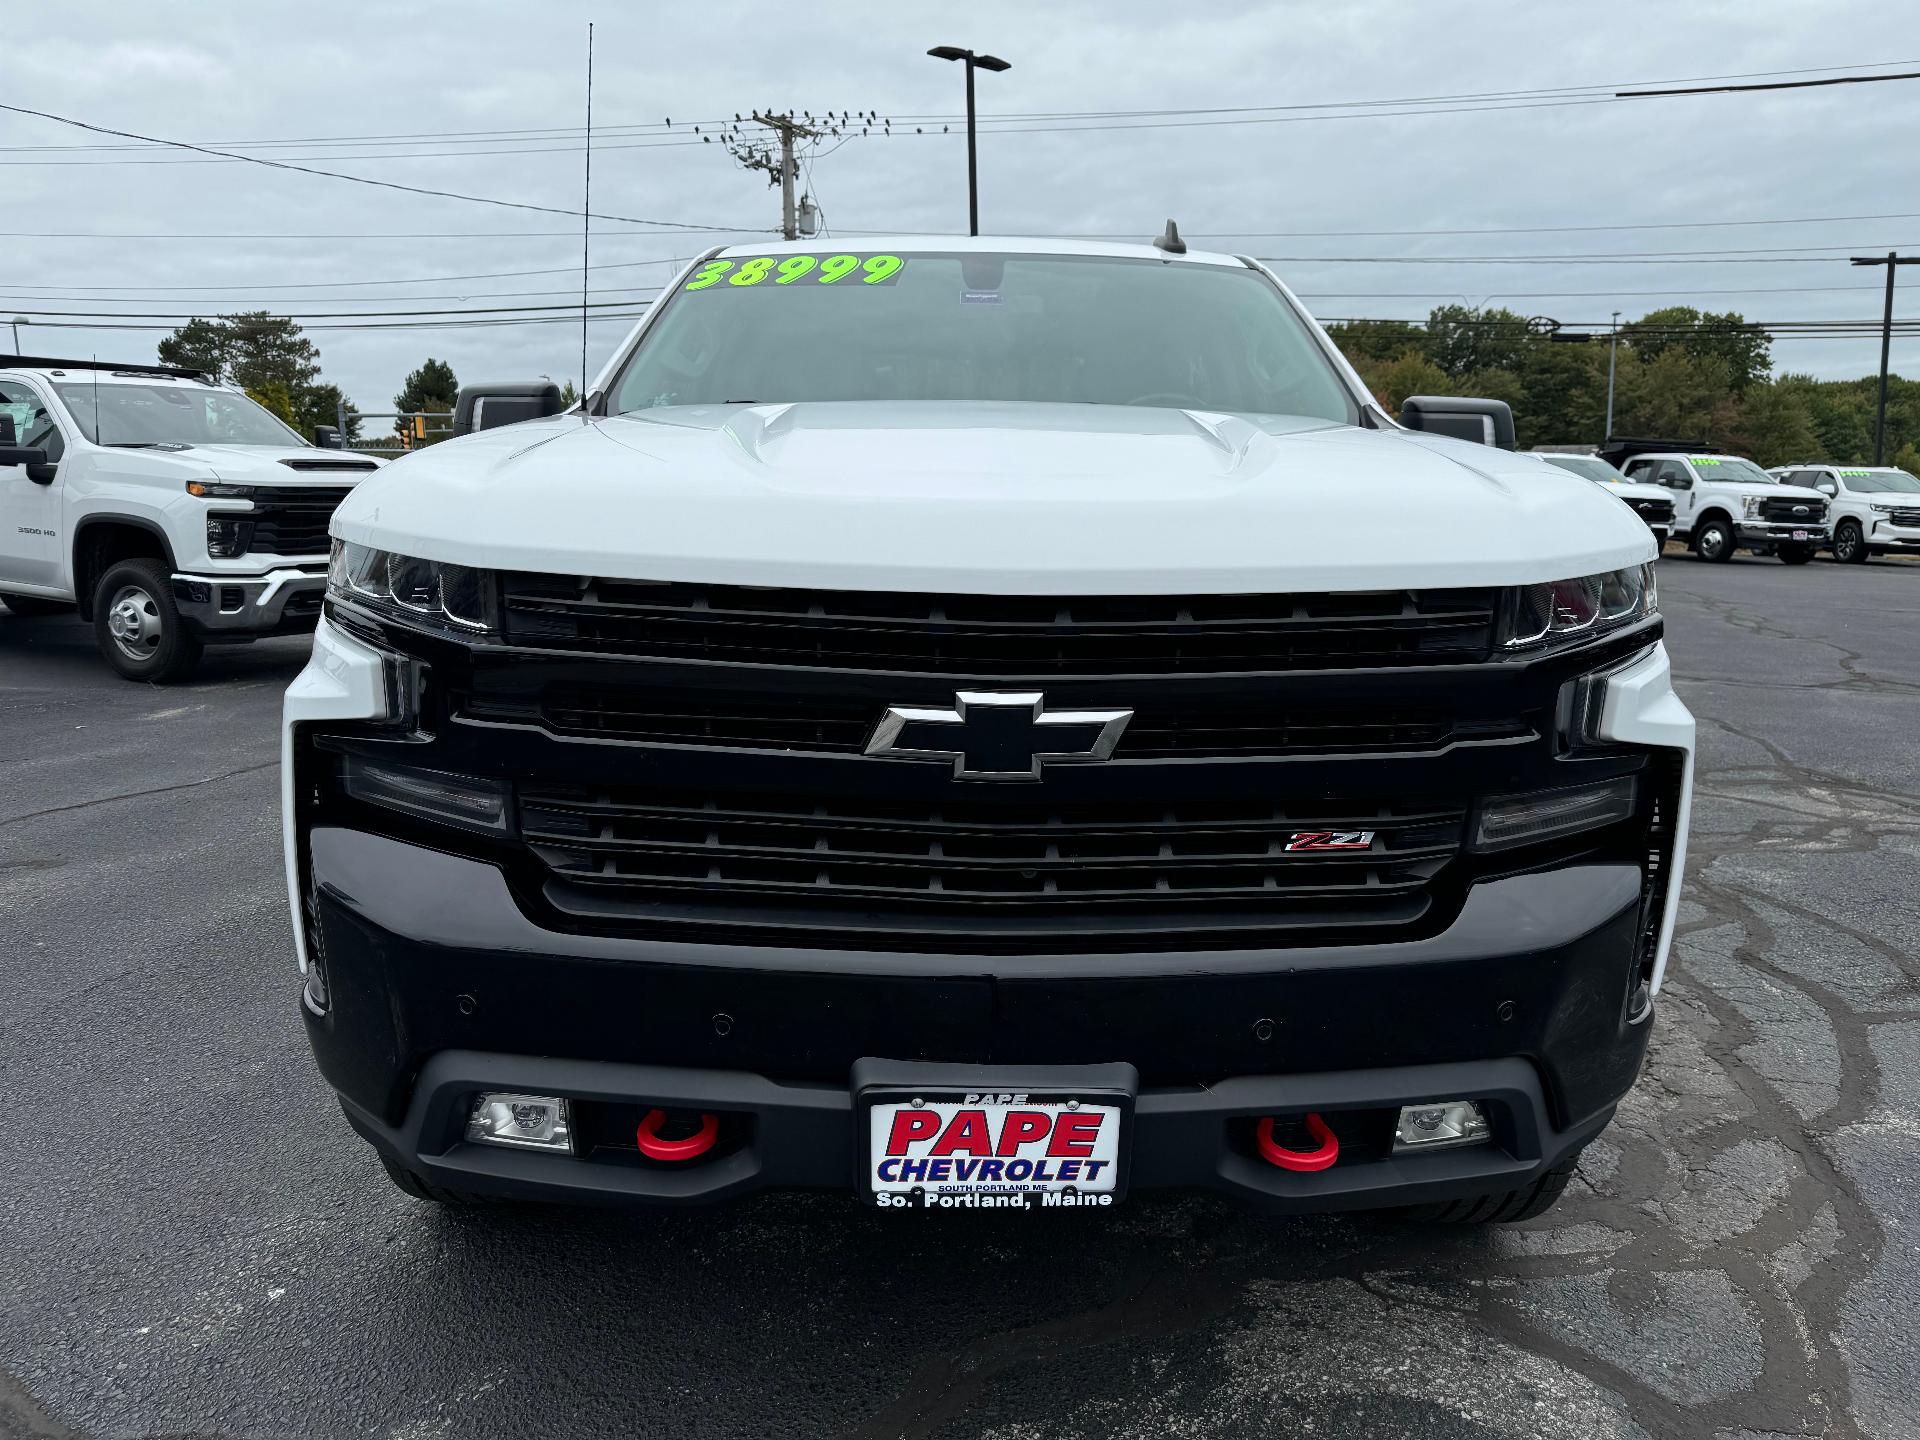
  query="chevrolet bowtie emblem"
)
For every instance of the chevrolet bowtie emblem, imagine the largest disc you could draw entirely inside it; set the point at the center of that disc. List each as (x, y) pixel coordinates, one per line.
(998, 735)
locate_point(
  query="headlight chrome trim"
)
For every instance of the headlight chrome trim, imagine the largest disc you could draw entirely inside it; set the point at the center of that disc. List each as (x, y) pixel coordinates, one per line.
(1561, 614)
(431, 595)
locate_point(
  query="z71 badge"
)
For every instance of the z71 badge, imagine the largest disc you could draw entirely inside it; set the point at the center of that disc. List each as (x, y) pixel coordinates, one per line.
(1330, 840)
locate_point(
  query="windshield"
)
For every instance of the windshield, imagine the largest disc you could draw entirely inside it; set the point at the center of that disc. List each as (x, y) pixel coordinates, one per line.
(1732, 468)
(1881, 480)
(940, 327)
(1591, 466)
(170, 415)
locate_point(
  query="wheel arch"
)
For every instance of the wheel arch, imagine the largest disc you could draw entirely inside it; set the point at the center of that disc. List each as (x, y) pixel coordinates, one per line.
(101, 541)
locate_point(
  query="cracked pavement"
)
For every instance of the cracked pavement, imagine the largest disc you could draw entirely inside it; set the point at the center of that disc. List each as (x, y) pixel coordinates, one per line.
(193, 1243)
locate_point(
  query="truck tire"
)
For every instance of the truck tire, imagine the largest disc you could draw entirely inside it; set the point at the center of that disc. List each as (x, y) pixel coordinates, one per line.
(25, 605)
(408, 1183)
(137, 625)
(1849, 545)
(1794, 554)
(1715, 541)
(1502, 1207)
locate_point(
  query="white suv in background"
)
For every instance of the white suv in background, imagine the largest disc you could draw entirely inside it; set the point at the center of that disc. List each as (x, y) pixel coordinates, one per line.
(1873, 510)
(1726, 503)
(1652, 503)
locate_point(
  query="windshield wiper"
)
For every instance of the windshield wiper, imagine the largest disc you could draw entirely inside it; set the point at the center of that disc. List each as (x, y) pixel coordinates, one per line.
(148, 445)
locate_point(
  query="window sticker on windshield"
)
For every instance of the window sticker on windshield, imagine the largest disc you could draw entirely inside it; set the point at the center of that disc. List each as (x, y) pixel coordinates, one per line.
(981, 297)
(1703, 460)
(1861, 474)
(756, 270)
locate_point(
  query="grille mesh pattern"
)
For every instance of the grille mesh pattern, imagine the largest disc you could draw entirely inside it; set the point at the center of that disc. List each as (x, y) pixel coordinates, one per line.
(998, 635)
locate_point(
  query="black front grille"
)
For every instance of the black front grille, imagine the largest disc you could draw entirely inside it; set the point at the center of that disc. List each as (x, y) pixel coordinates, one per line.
(1785, 509)
(1654, 512)
(292, 519)
(1905, 517)
(982, 635)
(842, 724)
(1031, 860)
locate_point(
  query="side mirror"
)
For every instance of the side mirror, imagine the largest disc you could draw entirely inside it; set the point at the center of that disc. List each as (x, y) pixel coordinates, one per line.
(486, 407)
(327, 437)
(1827, 488)
(34, 457)
(1487, 422)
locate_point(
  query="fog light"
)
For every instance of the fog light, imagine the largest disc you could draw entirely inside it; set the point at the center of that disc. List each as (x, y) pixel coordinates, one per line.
(465, 800)
(1549, 814)
(532, 1122)
(1443, 1124)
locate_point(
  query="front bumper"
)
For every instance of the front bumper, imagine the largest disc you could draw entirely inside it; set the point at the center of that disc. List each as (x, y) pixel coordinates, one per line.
(245, 607)
(1769, 532)
(1887, 536)
(438, 986)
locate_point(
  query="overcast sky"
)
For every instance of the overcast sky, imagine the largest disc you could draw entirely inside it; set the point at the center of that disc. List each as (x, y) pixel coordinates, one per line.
(359, 77)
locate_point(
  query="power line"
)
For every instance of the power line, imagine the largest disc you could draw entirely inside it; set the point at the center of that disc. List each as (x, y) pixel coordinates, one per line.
(364, 179)
(1775, 85)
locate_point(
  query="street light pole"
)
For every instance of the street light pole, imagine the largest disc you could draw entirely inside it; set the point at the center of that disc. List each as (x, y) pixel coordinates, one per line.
(1892, 261)
(1613, 352)
(972, 61)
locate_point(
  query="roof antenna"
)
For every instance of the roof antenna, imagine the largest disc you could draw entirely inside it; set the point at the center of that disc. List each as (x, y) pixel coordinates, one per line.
(1170, 241)
(586, 226)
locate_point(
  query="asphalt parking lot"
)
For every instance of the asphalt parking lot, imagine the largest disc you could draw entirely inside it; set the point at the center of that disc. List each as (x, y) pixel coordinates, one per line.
(193, 1243)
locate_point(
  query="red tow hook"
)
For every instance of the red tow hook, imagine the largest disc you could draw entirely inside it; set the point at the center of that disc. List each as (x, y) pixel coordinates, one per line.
(1277, 1154)
(647, 1136)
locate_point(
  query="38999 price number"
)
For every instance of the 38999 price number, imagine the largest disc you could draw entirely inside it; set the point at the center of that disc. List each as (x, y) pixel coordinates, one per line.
(794, 269)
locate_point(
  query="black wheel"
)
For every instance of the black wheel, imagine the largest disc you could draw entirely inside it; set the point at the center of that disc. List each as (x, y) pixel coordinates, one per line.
(138, 626)
(1849, 545)
(1715, 541)
(24, 605)
(1795, 554)
(1502, 1207)
(409, 1183)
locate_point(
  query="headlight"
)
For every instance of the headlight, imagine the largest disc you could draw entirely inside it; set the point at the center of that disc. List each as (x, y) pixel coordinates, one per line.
(1885, 509)
(1567, 612)
(210, 490)
(415, 592)
(1750, 506)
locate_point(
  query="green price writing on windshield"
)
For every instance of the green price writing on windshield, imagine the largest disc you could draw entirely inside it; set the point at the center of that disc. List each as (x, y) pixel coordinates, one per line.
(791, 269)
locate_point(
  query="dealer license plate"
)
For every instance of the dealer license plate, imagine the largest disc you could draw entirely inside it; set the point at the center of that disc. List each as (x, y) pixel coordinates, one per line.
(1000, 1149)
(1799, 534)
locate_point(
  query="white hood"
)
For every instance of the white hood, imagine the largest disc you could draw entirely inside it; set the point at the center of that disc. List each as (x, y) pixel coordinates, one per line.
(237, 464)
(992, 499)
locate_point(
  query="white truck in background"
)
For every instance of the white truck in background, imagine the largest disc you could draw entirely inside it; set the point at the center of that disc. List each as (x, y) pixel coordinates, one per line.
(1873, 509)
(172, 511)
(1652, 503)
(1724, 503)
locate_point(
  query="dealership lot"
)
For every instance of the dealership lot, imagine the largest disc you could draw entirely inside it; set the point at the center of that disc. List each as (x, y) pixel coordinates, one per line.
(194, 1242)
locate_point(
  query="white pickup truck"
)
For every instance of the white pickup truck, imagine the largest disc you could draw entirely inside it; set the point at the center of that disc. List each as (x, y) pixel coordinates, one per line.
(172, 511)
(1725, 503)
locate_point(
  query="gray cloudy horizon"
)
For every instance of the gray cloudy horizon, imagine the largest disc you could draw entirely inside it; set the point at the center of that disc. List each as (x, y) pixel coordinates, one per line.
(87, 222)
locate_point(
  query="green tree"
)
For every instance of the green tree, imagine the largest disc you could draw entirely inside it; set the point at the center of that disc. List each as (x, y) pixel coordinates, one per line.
(1773, 425)
(1462, 339)
(434, 388)
(263, 354)
(569, 395)
(324, 405)
(1744, 349)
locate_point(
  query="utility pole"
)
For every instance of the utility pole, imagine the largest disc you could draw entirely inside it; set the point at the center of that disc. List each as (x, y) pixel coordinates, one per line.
(1613, 353)
(1892, 261)
(780, 169)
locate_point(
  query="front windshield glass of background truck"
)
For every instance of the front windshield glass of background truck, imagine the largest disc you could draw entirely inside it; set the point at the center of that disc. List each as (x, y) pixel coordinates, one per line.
(1877, 481)
(1732, 468)
(1591, 466)
(171, 415)
(984, 327)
